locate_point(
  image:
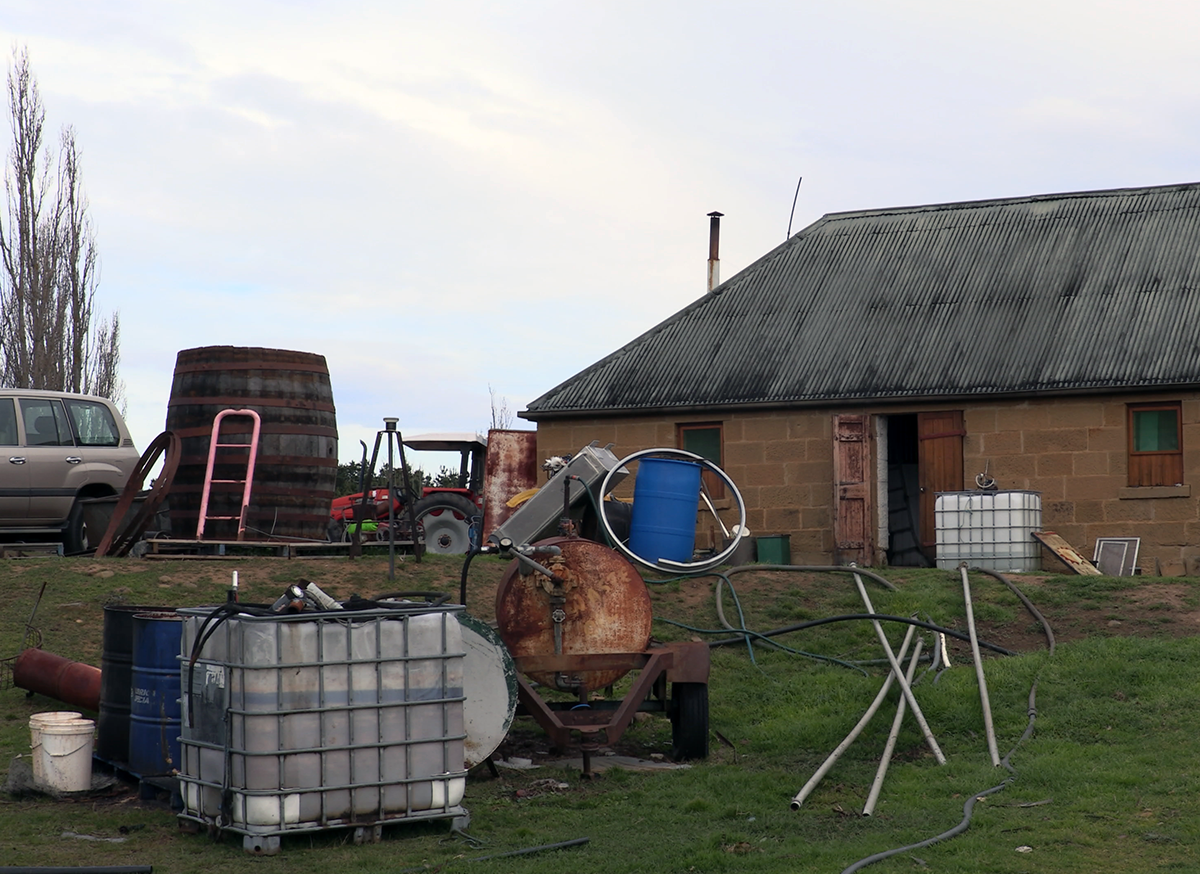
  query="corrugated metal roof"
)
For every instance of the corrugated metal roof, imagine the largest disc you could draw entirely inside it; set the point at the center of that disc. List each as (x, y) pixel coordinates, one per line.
(1054, 293)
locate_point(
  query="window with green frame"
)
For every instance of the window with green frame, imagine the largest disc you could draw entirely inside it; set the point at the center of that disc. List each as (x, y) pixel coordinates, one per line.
(705, 439)
(1155, 444)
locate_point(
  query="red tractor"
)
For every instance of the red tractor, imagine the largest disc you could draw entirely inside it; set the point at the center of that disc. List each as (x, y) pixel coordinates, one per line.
(446, 515)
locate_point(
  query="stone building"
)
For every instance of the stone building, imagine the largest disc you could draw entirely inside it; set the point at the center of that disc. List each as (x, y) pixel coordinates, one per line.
(876, 358)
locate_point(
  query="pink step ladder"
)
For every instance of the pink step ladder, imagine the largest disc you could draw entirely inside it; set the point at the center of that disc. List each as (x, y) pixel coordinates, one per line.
(247, 483)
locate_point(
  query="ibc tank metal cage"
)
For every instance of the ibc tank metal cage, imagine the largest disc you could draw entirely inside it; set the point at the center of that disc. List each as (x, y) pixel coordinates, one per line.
(342, 719)
(989, 529)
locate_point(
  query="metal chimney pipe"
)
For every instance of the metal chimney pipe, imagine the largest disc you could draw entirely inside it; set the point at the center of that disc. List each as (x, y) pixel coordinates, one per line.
(714, 245)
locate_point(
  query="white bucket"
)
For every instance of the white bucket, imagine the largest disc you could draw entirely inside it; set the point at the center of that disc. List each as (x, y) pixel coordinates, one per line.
(62, 753)
(36, 723)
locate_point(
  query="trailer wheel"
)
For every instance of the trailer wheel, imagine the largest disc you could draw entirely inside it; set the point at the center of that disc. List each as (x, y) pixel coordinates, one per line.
(446, 520)
(689, 721)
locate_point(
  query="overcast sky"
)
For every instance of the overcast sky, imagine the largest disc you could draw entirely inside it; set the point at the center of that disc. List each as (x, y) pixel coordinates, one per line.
(445, 196)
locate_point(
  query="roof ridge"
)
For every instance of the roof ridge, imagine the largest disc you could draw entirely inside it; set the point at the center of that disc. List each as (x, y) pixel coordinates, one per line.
(998, 201)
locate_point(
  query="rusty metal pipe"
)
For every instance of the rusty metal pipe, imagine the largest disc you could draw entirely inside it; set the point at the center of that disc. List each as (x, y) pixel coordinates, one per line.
(60, 678)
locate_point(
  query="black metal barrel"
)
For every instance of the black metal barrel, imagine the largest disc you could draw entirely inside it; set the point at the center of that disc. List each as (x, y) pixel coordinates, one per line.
(116, 671)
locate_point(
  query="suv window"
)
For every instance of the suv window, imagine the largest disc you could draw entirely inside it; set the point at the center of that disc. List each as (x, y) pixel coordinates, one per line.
(8, 422)
(94, 424)
(45, 423)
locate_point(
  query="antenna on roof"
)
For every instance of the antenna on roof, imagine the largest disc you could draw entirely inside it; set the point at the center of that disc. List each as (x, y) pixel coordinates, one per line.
(795, 197)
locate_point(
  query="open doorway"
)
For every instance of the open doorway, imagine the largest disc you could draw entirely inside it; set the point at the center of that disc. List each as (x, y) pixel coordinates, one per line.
(924, 457)
(904, 493)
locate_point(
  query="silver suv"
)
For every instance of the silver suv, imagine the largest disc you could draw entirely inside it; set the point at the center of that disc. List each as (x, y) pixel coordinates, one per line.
(62, 449)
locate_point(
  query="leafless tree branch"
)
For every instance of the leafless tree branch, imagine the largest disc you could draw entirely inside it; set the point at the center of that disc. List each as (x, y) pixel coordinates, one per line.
(49, 265)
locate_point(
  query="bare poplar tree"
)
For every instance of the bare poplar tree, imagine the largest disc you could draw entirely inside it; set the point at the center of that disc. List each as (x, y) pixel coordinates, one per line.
(502, 416)
(48, 260)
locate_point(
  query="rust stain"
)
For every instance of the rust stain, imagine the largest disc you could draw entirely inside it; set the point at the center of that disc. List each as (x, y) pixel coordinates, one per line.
(607, 609)
(510, 468)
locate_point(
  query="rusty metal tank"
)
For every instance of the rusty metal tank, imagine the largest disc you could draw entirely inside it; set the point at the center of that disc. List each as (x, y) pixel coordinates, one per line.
(606, 608)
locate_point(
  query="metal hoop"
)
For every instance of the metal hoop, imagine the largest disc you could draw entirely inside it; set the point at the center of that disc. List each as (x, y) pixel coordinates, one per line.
(666, 563)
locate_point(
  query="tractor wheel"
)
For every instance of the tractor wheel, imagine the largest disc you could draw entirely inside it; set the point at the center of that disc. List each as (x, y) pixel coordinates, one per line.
(689, 721)
(446, 520)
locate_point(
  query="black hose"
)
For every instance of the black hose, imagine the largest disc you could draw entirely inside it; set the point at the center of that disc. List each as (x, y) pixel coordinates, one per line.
(1024, 600)
(577, 842)
(462, 586)
(80, 869)
(813, 623)
(823, 568)
(77, 869)
(962, 826)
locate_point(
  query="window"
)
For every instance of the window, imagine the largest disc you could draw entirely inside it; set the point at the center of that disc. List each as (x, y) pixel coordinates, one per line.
(1155, 444)
(8, 423)
(45, 423)
(705, 440)
(94, 423)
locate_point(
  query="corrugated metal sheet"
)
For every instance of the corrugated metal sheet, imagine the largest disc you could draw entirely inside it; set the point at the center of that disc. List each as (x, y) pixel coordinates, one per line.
(1054, 293)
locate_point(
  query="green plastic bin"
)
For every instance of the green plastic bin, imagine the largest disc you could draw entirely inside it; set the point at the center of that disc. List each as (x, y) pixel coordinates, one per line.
(774, 549)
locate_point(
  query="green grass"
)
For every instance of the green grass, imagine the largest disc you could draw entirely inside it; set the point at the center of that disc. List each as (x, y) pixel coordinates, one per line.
(1105, 783)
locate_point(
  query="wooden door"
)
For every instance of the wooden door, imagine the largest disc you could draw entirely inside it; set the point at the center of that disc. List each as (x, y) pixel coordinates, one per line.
(940, 467)
(852, 490)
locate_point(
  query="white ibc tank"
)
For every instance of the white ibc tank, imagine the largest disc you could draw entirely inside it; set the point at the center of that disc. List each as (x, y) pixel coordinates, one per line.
(989, 529)
(326, 719)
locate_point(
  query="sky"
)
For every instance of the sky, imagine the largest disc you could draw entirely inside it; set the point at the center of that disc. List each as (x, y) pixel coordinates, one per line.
(462, 204)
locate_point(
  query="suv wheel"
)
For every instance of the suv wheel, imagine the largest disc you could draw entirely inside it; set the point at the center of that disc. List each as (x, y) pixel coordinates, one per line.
(75, 535)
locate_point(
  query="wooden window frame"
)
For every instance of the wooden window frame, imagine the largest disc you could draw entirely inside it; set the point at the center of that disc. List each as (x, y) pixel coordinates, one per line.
(1158, 467)
(716, 486)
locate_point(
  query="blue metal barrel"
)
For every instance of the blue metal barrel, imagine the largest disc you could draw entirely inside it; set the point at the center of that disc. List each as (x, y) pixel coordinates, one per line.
(154, 711)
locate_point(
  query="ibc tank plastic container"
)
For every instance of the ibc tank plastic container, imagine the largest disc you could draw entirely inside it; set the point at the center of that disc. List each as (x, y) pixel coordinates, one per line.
(323, 720)
(989, 529)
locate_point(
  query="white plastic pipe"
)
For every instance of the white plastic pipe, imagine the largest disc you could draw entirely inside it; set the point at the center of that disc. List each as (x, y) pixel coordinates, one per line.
(817, 777)
(988, 729)
(899, 672)
(890, 746)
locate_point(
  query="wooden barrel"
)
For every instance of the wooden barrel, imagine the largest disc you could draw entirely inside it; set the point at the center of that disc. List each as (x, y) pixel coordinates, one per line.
(295, 472)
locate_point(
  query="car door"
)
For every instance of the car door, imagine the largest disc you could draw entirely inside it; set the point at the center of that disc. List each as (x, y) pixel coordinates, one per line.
(14, 467)
(101, 440)
(54, 462)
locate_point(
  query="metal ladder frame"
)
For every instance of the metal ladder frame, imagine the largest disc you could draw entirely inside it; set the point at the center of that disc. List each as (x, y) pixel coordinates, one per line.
(247, 483)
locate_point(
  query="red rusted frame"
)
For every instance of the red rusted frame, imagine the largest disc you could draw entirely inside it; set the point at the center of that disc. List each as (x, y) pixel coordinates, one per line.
(684, 662)
(121, 533)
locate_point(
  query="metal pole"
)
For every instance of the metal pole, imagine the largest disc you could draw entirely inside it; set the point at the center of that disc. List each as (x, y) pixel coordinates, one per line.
(988, 729)
(890, 746)
(899, 672)
(389, 423)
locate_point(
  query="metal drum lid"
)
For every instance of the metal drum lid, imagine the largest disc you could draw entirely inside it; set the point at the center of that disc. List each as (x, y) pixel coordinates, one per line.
(489, 687)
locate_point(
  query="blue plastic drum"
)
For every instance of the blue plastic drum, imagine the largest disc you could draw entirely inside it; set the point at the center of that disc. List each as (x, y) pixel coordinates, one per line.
(663, 520)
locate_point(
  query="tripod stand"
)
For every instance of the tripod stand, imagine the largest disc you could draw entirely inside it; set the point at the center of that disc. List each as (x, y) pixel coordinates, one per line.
(395, 446)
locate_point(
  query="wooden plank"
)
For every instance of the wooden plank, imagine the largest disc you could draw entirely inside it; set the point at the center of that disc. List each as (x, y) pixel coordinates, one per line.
(1066, 554)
